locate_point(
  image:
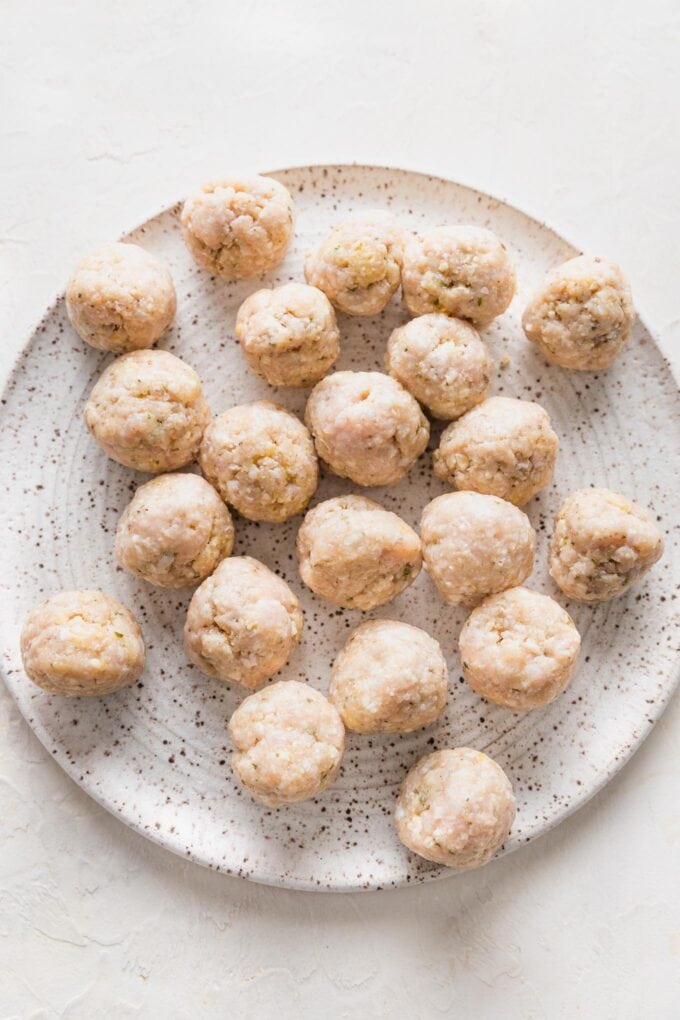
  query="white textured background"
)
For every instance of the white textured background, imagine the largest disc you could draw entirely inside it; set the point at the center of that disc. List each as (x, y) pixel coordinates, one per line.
(109, 111)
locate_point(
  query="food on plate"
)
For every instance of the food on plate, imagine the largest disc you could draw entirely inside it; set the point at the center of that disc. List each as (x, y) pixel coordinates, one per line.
(582, 314)
(356, 554)
(519, 649)
(602, 544)
(82, 643)
(366, 427)
(288, 743)
(475, 545)
(455, 807)
(243, 623)
(288, 334)
(261, 460)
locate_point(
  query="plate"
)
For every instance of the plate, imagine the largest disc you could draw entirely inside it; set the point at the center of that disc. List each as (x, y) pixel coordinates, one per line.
(157, 754)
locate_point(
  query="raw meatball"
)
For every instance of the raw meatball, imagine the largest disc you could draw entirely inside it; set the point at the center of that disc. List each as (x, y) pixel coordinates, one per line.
(462, 271)
(503, 447)
(288, 743)
(243, 623)
(366, 427)
(442, 362)
(582, 314)
(120, 298)
(147, 411)
(289, 334)
(261, 459)
(356, 554)
(82, 643)
(238, 227)
(455, 808)
(358, 266)
(389, 678)
(602, 544)
(174, 532)
(475, 545)
(519, 649)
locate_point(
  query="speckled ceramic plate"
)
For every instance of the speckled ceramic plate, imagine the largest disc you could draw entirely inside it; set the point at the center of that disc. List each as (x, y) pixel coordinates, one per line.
(157, 755)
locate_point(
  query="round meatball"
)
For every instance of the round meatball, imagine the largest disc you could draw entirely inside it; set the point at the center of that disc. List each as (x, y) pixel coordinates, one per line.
(120, 298)
(174, 532)
(261, 459)
(461, 271)
(389, 678)
(366, 427)
(442, 362)
(503, 447)
(82, 643)
(475, 545)
(288, 743)
(289, 334)
(148, 412)
(582, 314)
(602, 544)
(455, 807)
(243, 623)
(358, 266)
(519, 649)
(356, 554)
(238, 227)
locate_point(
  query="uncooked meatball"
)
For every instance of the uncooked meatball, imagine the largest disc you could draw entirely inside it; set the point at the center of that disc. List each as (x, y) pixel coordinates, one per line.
(148, 412)
(120, 298)
(582, 314)
(519, 649)
(462, 271)
(442, 362)
(356, 554)
(289, 334)
(174, 532)
(455, 807)
(602, 544)
(288, 743)
(503, 447)
(261, 459)
(389, 678)
(238, 227)
(475, 545)
(243, 623)
(82, 643)
(358, 266)
(366, 427)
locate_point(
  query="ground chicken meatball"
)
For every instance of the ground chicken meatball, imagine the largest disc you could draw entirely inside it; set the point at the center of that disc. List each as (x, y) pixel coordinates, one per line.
(519, 649)
(366, 427)
(455, 807)
(82, 643)
(174, 532)
(475, 545)
(503, 447)
(288, 743)
(289, 334)
(462, 271)
(120, 298)
(238, 227)
(243, 623)
(358, 266)
(602, 544)
(389, 678)
(442, 362)
(261, 459)
(356, 554)
(582, 314)
(148, 412)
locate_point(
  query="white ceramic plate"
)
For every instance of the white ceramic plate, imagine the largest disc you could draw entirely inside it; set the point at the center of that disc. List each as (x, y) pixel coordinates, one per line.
(157, 755)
